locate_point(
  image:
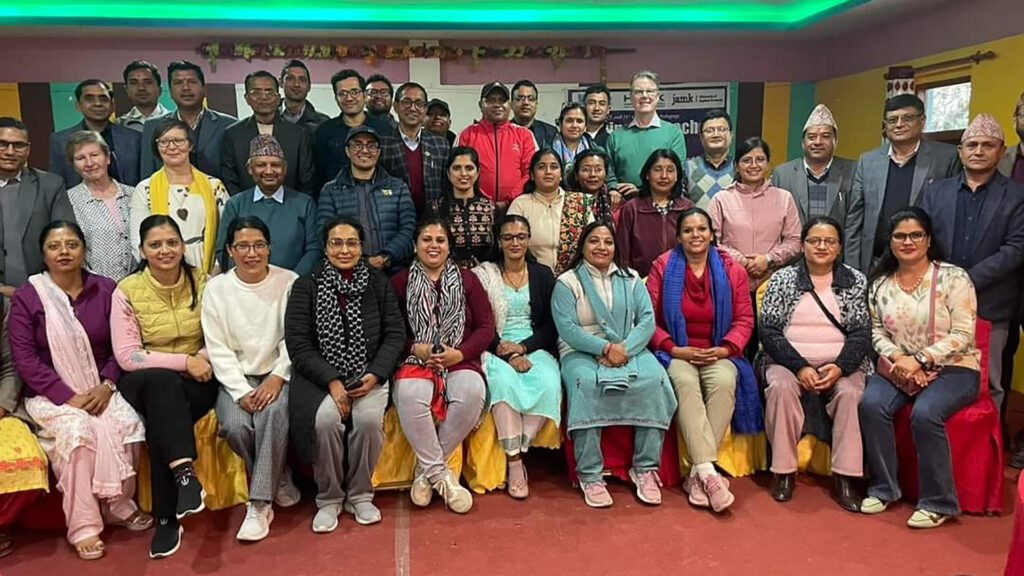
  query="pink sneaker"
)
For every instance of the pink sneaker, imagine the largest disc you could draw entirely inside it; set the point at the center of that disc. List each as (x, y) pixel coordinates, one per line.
(695, 492)
(596, 495)
(648, 486)
(717, 490)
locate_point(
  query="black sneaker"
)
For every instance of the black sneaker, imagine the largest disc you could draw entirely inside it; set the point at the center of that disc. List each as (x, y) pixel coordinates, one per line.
(190, 491)
(166, 538)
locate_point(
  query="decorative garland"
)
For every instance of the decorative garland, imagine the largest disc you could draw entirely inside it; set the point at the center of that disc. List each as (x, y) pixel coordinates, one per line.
(372, 53)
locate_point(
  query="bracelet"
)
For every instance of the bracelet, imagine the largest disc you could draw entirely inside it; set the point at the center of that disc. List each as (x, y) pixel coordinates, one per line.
(513, 356)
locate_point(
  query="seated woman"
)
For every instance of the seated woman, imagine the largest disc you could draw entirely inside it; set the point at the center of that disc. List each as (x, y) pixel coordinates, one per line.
(192, 199)
(923, 314)
(60, 341)
(704, 318)
(102, 206)
(647, 223)
(522, 375)
(344, 335)
(816, 333)
(604, 319)
(449, 325)
(243, 326)
(24, 473)
(469, 213)
(589, 175)
(556, 217)
(158, 342)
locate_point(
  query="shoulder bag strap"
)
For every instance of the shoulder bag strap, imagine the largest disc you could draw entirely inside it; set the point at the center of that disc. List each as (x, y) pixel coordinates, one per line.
(828, 314)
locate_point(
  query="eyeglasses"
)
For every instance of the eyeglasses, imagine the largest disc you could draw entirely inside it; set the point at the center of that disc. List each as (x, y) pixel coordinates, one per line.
(592, 170)
(524, 98)
(368, 146)
(830, 242)
(648, 92)
(716, 130)
(905, 118)
(410, 103)
(915, 237)
(262, 92)
(353, 93)
(382, 93)
(17, 145)
(171, 142)
(244, 248)
(748, 160)
(339, 243)
(509, 238)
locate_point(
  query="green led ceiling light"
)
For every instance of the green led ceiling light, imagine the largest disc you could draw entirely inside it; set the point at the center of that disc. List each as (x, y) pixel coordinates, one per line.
(426, 14)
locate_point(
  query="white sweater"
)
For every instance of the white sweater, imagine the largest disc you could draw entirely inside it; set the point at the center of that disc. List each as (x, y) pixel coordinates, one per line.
(244, 328)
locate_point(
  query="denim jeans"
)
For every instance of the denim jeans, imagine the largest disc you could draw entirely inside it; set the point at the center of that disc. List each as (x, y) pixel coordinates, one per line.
(590, 461)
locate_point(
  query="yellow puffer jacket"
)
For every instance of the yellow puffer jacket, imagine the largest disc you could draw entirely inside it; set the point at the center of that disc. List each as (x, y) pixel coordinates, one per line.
(165, 320)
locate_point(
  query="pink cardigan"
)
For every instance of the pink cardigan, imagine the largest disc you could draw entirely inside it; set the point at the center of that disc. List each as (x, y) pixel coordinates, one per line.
(742, 312)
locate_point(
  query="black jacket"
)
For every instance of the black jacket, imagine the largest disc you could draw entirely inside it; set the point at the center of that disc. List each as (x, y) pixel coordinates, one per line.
(545, 335)
(294, 140)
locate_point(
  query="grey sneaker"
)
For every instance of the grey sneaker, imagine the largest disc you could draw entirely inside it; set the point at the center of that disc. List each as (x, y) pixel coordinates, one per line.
(365, 512)
(326, 519)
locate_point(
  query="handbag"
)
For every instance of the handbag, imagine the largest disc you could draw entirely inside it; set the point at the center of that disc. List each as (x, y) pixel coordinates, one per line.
(885, 365)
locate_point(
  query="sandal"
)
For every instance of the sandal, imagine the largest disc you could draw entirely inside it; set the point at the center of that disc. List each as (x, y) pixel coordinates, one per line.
(139, 521)
(518, 487)
(90, 548)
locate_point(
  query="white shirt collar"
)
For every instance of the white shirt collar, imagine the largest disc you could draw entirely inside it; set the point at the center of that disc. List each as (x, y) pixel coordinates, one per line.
(258, 195)
(892, 156)
(655, 122)
(807, 167)
(412, 143)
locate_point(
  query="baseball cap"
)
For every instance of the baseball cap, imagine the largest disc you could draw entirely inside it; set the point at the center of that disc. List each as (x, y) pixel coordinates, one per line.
(361, 129)
(492, 86)
(441, 103)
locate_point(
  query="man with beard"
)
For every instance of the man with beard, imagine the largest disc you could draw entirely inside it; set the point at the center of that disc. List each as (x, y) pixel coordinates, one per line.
(820, 182)
(142, 83)
(413, 154)
(379, 93)
(710, 172)
(597, 102)
(297, 109)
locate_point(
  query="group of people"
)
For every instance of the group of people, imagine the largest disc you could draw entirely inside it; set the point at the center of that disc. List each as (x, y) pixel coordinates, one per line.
(298, 274)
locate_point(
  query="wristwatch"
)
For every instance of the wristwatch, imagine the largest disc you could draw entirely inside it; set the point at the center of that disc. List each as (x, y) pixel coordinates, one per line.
(922, 360)
(387, 260)
(109, 385)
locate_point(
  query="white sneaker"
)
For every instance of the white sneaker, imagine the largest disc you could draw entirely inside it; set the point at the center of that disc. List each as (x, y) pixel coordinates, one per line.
(456, 498)
(287, 494)
(256, 525)
(421, 492)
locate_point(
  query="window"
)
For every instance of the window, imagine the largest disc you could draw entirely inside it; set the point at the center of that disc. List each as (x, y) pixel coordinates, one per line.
(947, 106)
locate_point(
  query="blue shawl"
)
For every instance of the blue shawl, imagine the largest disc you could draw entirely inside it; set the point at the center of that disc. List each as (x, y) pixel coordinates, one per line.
(746, 417)
(616, 324)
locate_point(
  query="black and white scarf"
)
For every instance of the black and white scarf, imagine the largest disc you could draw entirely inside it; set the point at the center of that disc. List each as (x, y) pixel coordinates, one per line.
(436, 310)
(341, 334)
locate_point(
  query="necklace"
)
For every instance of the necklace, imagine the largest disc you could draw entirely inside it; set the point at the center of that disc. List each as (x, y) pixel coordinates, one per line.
(913, 288)
(514, 283)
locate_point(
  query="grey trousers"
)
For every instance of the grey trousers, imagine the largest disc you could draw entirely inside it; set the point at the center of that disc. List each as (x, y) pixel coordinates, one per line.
(996, 343)
(466, 391)
(334, 473)
(261, 439)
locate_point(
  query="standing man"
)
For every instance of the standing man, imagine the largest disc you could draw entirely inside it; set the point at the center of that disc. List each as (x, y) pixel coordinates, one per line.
(29, 200)
(412, 154)
(297, 109)
(261, 93)
(95, 101)
(524, 109)
(597, 101)
(891, 177)
(289, 214)
(379, 93)
(188, 90)
(329, 142)
(505, 149)
(713, 170)
(142, 83)
(439, 120)
(630, 146)
(1012, 163)
(820, 182)
(978, 221)
(381, 202)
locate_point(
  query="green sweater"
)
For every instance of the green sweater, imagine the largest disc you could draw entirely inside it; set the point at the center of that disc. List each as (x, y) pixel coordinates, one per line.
(630, 146)
(294, 239)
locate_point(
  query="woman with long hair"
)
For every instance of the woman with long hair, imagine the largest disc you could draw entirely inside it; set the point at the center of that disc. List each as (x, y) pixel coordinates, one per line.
(589, 174)
(469, 213)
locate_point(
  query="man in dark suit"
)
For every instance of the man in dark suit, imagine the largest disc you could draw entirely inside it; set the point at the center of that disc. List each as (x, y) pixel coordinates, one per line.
(1012, 163)
(296, 108)
(891, 177)
(94, 99)
(261, 93)
(524, 113)
(819, 181)
(978, 221)
(188, 90)
(29, 200)
(415, 155)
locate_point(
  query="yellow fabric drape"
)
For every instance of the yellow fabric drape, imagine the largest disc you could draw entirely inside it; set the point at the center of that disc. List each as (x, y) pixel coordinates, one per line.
(738, 454)
(23, 464)
(159, 192)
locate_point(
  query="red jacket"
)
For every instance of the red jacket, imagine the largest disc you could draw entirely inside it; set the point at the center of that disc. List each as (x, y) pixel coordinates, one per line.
(505, 151)
(742, 312)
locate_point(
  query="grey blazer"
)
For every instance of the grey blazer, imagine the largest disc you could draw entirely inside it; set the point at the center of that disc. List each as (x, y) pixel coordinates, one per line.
(211, 130)
(296, 141)
(42, 198)
(792, 176)
(1005, 166)
(126, 144)
(934, 162)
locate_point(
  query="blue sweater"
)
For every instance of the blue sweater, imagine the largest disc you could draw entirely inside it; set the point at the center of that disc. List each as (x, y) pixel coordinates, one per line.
(294, 234)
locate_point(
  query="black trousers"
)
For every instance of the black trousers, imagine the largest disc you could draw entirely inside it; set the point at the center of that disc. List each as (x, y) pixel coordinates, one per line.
(170, 404)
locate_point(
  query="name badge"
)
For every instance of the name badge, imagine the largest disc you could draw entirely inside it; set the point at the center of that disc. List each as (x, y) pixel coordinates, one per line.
(386, 192)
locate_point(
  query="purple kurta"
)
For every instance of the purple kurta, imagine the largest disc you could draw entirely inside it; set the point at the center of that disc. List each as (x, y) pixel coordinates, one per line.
(31, 349)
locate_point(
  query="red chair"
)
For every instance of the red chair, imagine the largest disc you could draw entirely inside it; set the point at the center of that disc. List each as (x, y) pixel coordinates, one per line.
(975, 441)
(1015, 559)
(617, 448)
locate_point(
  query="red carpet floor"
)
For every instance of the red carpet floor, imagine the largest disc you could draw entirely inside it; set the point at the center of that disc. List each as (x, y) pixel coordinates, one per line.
(555, 533)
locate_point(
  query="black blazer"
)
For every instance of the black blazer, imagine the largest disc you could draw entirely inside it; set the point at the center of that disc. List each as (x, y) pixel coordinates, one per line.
(383, 329)
(545, 335)
(298, 152)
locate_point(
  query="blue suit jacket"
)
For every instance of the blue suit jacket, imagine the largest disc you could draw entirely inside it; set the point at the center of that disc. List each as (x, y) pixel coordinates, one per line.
(995, 265)
(126, 145)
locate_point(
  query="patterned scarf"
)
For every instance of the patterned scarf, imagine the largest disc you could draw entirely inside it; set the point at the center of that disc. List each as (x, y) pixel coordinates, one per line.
(436, 312)
(575, 210)
(341, 335)
(563, 151)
